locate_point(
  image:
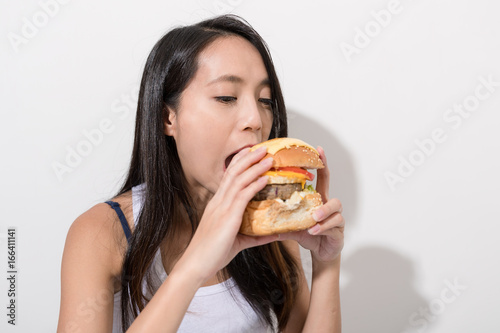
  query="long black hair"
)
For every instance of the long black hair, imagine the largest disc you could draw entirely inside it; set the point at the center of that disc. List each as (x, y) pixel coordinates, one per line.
(266, 275)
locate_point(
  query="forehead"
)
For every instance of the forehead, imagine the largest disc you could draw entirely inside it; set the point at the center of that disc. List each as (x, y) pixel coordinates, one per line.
(230, 55)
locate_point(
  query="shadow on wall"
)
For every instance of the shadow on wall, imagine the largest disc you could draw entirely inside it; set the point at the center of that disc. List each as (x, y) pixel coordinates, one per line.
(380, 294)
(343, 183)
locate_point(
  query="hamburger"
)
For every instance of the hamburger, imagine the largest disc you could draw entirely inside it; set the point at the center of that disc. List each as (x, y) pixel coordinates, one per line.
(285, 204)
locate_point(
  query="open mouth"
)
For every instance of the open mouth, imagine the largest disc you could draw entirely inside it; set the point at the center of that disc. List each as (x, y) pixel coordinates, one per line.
(228, 161)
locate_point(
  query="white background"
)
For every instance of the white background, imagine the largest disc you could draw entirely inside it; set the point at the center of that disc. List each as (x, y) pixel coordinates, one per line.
(405, 246)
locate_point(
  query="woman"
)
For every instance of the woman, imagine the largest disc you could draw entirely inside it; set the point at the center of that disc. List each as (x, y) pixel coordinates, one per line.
(208, 92)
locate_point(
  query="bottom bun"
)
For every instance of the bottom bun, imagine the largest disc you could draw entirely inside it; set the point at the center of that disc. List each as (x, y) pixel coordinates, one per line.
(276, 216)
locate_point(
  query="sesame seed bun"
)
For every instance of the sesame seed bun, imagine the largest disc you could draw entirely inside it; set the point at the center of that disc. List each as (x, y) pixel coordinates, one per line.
(267, 217)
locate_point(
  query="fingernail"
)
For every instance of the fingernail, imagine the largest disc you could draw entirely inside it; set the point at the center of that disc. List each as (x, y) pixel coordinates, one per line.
(318, 215)
(261, 149)
(314, 230)
(263, 179)
(267, 161)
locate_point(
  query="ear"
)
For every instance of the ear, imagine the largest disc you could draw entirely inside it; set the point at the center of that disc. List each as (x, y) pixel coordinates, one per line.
(169, 121)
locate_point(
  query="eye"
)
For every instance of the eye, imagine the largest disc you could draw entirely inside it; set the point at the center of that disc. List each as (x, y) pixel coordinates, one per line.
(225, 99)
(267, 102)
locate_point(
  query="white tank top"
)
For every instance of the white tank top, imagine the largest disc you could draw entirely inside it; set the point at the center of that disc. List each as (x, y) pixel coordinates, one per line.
(213, 308)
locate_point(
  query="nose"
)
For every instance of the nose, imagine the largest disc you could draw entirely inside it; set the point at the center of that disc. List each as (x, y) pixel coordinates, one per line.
(251, 117)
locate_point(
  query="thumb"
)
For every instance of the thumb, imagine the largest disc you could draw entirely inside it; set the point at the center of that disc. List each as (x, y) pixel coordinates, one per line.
(323, 182)
(246, 242)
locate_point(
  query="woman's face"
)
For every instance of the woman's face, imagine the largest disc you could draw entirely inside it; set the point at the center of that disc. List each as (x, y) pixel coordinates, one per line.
(225, 108)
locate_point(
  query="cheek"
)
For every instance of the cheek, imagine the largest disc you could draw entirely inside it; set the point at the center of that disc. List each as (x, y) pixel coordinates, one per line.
(199, 142)
(267, 123)
(205, 133)
(193, 144)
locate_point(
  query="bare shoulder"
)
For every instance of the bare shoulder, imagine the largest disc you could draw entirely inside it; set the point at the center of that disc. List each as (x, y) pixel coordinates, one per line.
(98, 232)
(90, 270)
(95, 232)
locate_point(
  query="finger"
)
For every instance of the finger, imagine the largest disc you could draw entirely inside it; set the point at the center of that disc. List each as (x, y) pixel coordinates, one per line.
(323, 181)
(233, 201)
(243, 196)
(246, 242)
(302, 237)
(247, 165)
(249, 181)
(235, 192)
(333, 221)
(239, 155)
(294, 235)
(330, 207)
(245, 158)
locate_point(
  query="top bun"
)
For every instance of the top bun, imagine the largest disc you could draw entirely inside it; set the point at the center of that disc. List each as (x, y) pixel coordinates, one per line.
(289, 152)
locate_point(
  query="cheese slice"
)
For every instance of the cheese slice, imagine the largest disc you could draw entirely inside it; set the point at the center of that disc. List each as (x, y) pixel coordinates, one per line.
(275, 145)
(293, 177)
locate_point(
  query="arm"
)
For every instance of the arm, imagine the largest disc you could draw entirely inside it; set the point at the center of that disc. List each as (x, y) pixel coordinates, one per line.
(88, 262)
(172, 298)
(214, 244)
(324, 308)
(325, 240)
(91, 261)
(318, 310)
(92, 258)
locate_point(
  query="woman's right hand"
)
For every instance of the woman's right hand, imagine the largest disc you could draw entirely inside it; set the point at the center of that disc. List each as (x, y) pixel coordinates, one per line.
(217, 241)
(214, 244)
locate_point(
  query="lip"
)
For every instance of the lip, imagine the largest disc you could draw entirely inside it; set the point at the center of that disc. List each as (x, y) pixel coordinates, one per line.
(228, 159)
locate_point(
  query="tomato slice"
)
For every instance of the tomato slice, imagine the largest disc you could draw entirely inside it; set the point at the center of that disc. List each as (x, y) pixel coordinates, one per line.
(308, 175)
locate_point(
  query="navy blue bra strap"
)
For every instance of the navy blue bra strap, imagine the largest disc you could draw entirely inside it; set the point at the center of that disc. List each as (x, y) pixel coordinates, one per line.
(123, 220)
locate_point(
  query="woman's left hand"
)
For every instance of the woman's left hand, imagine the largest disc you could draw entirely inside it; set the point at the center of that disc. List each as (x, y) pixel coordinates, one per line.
(326, 238)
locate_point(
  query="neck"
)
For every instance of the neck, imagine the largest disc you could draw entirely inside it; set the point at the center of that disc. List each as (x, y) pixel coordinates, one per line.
(201, 197)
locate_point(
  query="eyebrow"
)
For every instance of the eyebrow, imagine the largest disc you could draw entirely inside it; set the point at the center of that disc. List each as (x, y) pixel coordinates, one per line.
(235, 79)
